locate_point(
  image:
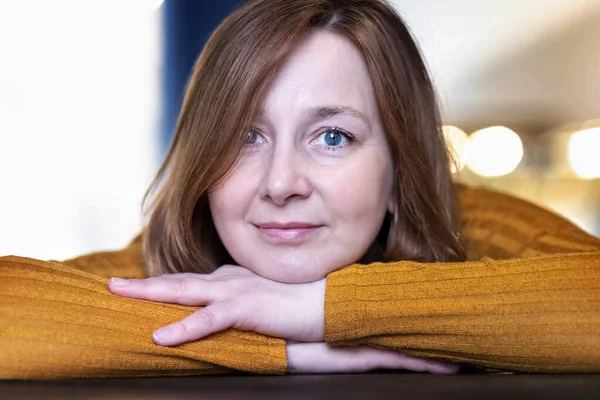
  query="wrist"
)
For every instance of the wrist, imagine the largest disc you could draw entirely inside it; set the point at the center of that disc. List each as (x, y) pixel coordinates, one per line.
(290, 351)
(317, 297)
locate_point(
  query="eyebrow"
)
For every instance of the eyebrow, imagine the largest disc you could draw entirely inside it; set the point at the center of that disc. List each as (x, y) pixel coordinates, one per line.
(323, 112)
(331, 111)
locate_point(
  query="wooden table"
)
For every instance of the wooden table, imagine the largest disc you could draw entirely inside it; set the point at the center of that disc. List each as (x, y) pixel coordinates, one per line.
(376, 385)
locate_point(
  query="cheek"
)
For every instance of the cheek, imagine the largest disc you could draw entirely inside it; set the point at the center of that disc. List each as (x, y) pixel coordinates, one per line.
(231, 199)
(362, 192)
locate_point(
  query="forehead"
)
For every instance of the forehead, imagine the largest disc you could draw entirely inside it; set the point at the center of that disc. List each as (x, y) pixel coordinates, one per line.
(324, 68)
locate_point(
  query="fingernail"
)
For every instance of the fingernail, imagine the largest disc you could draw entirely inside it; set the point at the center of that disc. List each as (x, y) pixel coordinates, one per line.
(162, 335)
(119, 281)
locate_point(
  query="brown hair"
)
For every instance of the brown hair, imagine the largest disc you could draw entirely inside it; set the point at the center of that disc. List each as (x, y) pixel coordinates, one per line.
(225, 93)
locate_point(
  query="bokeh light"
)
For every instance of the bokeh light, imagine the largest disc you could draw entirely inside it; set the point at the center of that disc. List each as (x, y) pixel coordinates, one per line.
(584, 157)
(494, 151)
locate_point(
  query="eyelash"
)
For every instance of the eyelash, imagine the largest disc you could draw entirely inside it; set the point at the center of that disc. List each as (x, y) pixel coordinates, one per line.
(252, 132)
(334, 129)
(328, 129)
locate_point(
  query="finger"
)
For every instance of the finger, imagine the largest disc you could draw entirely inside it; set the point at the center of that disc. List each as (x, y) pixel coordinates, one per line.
(445, 368)
(228, 269)
(364, 358)
(192, 275)
(391, 359)
(211, 319)
(222, 270)
(185, 291)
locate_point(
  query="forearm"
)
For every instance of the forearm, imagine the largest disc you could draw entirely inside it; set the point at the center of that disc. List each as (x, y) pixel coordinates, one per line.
(125, 263)
(57, 322)
(537, 314)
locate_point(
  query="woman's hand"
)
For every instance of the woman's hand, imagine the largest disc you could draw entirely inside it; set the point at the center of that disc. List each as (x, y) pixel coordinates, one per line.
(234, 297)
(322, 358)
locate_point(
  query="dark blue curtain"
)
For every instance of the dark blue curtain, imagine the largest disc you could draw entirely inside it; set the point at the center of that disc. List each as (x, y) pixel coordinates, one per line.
(187, 26)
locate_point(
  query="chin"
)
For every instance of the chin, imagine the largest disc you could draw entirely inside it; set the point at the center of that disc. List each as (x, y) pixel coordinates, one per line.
(289, 272)
(284, 275)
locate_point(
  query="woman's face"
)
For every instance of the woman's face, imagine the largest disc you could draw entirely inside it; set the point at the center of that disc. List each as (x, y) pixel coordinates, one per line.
(311, 188)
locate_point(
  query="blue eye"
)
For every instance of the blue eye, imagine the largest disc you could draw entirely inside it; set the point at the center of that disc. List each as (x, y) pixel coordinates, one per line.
(254, 138)
(333, 139)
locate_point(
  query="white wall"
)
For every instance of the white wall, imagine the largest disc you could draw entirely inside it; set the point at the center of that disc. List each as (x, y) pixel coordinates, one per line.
(464, 39)
(79, 85)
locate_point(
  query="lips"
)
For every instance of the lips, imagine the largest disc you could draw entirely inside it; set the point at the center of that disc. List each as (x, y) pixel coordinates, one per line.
(287, 225)
(287, 232)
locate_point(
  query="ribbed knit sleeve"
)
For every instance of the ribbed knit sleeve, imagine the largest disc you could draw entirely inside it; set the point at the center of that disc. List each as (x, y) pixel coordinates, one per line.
(125, 263)
(534, 307)
(59, 322)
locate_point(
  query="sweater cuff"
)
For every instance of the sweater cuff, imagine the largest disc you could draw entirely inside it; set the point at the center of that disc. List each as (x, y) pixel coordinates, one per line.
(341, 306)
(249, 351)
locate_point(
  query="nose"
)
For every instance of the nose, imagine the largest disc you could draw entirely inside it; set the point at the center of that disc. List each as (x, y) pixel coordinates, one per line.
(286, 177)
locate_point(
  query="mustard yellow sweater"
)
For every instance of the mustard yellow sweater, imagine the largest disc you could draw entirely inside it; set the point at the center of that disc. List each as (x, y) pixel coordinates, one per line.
(529, 300)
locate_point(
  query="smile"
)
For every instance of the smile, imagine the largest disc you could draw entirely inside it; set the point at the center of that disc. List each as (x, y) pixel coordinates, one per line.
(287, 233)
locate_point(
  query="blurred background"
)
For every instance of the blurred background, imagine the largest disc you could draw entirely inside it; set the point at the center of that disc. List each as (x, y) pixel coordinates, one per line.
(89, 94)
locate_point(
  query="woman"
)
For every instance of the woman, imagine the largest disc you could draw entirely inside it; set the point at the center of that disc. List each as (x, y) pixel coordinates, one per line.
(308, 141)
